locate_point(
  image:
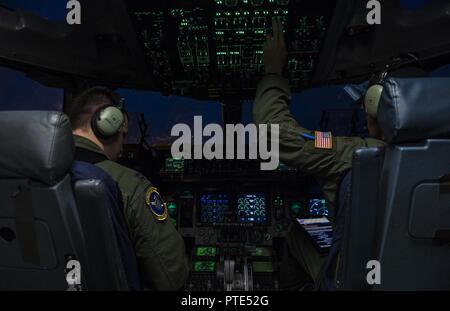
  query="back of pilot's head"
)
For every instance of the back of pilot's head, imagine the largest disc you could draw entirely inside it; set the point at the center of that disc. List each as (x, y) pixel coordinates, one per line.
(86, 104)
(97, 112)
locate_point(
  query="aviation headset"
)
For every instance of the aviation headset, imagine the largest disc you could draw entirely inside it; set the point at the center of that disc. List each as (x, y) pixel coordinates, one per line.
(373, 93)
(376, 83)
(108, 120)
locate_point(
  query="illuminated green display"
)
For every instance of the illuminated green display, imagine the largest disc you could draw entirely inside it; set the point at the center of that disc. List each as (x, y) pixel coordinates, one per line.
(172, 208)
(262, 266)
(261, 251)
(174, 165)
(296, 208)
(204, 266)
(206, 251)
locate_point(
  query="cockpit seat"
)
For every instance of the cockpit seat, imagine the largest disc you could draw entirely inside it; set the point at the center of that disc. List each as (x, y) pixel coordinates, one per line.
(57, 230)
(399, 209)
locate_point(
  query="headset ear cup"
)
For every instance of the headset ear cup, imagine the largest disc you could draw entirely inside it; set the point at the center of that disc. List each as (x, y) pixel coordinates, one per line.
(94, 124)
(107, 121)
(372, 100)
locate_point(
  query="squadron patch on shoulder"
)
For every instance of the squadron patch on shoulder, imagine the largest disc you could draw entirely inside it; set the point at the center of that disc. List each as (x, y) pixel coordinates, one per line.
(323, 140)
(154, 200)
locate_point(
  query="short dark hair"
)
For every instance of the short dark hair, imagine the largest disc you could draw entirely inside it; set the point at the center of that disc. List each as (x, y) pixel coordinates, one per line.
(87, 103)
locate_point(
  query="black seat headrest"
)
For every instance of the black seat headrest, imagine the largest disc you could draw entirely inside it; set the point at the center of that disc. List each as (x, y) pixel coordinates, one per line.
(414, 109)
(36, 145)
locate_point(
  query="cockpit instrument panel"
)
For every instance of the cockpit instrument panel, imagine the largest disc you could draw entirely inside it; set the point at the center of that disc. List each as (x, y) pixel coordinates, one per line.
(214, 208)
(252, 208)
(318, 207)
(210, 49)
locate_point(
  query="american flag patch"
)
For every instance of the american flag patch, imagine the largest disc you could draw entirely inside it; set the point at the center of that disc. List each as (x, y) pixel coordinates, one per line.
(323, 140)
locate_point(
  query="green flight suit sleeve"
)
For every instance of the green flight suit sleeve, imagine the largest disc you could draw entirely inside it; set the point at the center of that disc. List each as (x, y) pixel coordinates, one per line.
(159, 247)
(271, 106)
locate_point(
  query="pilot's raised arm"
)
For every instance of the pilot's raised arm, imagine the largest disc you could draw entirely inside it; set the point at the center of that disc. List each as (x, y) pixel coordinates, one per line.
(315, 153)
(319, 154)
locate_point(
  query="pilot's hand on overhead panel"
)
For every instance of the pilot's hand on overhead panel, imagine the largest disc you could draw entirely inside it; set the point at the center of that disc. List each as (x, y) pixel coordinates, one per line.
(275, 53)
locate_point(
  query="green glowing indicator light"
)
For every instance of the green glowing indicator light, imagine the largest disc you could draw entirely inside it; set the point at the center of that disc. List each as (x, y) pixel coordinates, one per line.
(261, 251)
(204, 266)
(296, 208)
(172, 207)
(206, 251)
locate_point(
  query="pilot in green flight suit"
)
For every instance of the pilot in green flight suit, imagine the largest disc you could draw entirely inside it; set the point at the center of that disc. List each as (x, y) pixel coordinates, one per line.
(99, 128)
(319, 154)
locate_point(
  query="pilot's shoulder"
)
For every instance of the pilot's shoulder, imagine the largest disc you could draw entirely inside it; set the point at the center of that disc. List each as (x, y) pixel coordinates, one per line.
(124, 176)
(372, 142)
